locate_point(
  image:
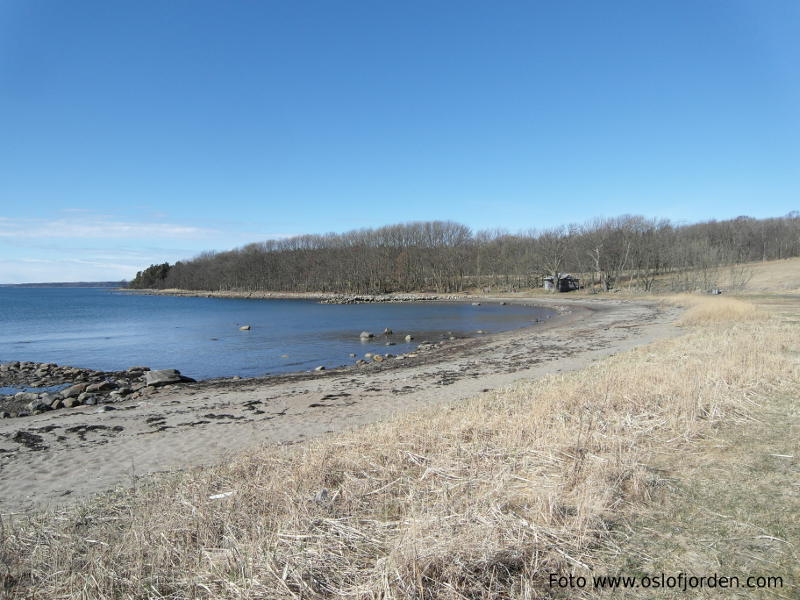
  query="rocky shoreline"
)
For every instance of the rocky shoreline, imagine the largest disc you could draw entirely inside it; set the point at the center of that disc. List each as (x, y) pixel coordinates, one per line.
(78, 387)
(321, 297)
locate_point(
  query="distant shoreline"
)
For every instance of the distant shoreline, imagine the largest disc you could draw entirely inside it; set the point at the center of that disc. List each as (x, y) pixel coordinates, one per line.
(66, 284)
(329, 297)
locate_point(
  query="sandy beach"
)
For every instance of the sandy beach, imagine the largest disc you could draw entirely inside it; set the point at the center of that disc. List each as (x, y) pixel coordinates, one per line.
(63, 456)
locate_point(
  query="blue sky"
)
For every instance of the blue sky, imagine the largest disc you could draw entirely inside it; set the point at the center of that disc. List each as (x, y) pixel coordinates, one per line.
(143, 131)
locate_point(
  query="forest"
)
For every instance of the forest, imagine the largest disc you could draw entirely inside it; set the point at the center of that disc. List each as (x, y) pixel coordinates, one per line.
(629, 251)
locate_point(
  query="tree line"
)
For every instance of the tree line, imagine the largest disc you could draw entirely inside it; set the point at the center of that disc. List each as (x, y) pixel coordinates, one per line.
(607, 253)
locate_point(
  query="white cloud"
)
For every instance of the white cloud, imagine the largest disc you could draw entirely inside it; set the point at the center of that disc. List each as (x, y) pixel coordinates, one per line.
(99, 228)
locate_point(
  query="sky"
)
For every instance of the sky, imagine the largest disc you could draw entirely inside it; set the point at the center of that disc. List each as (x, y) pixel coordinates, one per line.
(137, 132)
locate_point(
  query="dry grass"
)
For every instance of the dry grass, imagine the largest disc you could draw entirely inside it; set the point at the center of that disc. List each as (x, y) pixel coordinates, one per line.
(707, 310)
(479, 500)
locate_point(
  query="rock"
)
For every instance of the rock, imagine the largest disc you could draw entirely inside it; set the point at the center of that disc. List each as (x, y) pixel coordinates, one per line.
(26, 396)
(70, 402)
(408, 338)
(56, 404)
(162, 377)
(387, 331)
(365, 335)
(5, 415)
(89, 400)
(74, 391)
(377, 358)
(360, 362)
(389, 356)
(352, 355)
(137, 369)
(38, 406)
(368, 355)
(476, 304)
(320, 368)
(100, 387)
(503, 303)
(244, 328)
(480, 331)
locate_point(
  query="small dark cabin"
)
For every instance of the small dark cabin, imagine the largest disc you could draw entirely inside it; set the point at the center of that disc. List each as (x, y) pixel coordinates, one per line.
(566, 283)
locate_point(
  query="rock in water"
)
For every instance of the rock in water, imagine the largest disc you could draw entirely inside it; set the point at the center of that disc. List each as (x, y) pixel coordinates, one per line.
(365, 335)
(409, 337)
(387, 331)
(244, 328)
(162, 377)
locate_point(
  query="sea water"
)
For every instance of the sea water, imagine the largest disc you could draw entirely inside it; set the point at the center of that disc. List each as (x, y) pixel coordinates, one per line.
(106, 330)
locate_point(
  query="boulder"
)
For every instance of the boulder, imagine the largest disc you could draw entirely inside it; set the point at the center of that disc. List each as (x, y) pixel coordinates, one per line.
(162, 377)
(38, 406)
(409, 337)
(365, 335)
(100, 386)
(56, 404)
(70, 402)
(476, 304)
(320, 368)
(74, 390)
(26, 396)
(5, 415)
(244, 328)
(377, 358)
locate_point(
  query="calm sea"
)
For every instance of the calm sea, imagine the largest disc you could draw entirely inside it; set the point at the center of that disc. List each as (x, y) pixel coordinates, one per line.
(101, 329)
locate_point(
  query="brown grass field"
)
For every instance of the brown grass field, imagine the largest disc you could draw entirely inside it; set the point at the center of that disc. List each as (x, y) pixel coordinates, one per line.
(680, 456)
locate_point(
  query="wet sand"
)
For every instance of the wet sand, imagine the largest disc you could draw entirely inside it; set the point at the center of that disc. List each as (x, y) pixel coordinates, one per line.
(67, 455)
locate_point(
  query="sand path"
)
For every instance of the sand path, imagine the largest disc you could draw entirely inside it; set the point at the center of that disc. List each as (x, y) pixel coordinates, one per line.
(62, 456)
